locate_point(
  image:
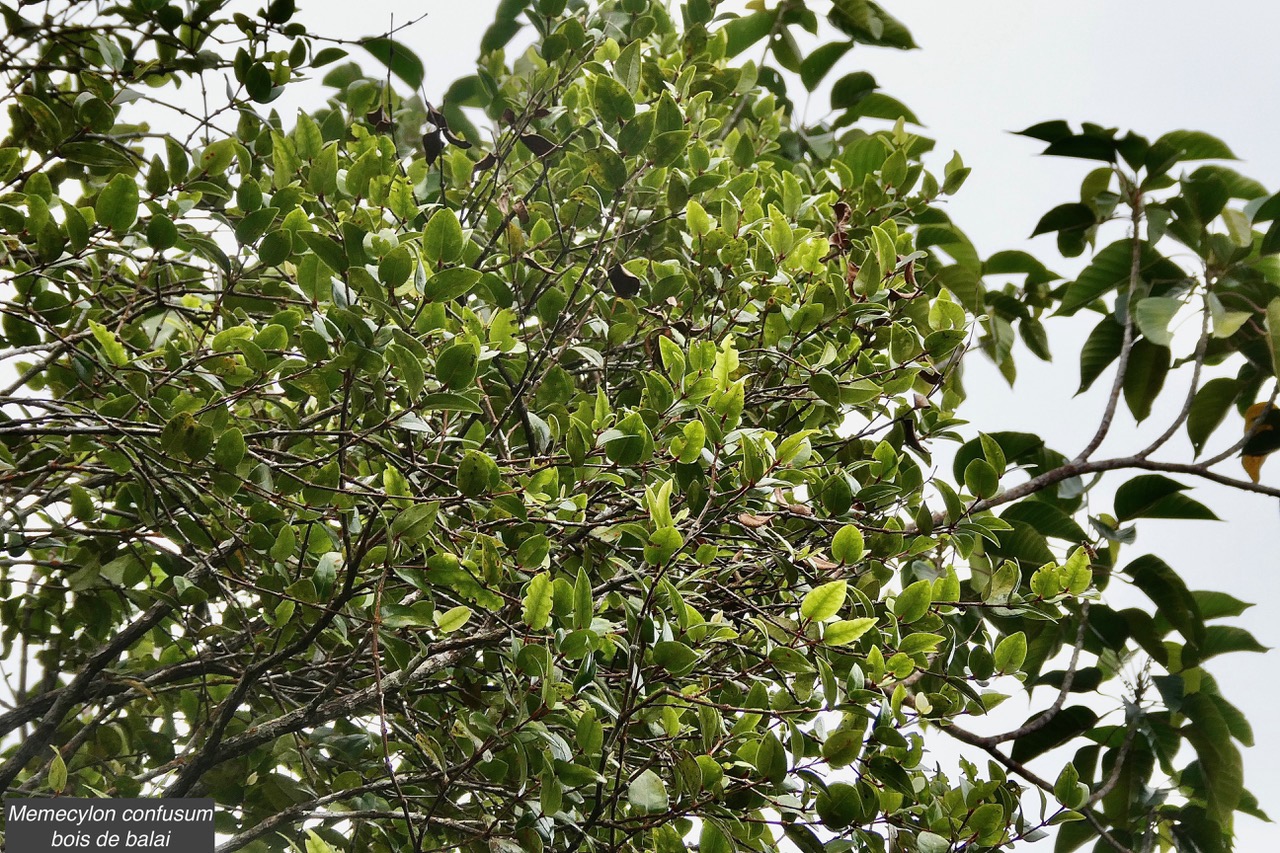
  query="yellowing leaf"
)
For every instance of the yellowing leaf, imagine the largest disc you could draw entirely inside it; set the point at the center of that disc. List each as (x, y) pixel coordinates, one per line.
(825, 601)
(847, 630)
(453, 619)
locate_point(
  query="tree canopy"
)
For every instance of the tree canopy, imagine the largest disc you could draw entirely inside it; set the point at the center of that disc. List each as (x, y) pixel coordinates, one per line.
(578, 463)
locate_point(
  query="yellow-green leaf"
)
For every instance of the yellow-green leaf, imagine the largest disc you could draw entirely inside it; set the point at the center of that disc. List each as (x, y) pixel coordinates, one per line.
(537, 602)
(453, 619)
(847, 630)
(824, 602)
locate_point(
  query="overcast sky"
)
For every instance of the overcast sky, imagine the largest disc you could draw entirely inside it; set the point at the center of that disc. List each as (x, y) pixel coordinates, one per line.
(1001, 65)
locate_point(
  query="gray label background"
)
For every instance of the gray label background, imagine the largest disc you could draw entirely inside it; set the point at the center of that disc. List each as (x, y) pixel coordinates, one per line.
(37, 836)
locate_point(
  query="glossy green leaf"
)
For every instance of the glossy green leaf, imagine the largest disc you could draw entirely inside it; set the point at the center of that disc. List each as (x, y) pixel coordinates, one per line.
(913, 602)
(117, 205)
(824, 602)
(1144, 377)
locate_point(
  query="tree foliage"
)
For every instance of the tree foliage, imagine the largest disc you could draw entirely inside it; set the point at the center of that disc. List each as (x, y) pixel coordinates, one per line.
(553, 467)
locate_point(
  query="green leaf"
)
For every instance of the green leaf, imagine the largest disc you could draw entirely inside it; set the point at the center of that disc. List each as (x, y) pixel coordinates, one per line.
(1085, 147)
(847, 545)
(1046, 519)
(824, 602)
(662, 546)
(869, 23)
(815, 66)
(612, 101)
(842, 748)
(45, 119)
(851, 88)
(413, 523)
(1167, 590)
(1066, 217)
(1222, 769)
(110, 344)
(117, 205)
(699, 222)
(1011, 652)
(1226, 323)
(691, 442)
(445, 402)
(913, 602)
(931, 842)
(1111, 268)
(57, 772)
(1208, 409)
(647, 793)
(993, 453)
(229, 450)
(452, 619)
(537, 602)
(890, 771)
(1144, 377)
(1068, 790)
(450, 284)
(1273, 333)
(327, 249)
(1157, 496)
(442, 240)
(456, 365)
(771, 759)
(1062, 727)
(315, 844)
(1223, 639)
(745, 31)
(839, 805)
(1195, 145)
(1153, 316)
(627, 67)
(1018, 448)
(880, 105)
(477, 473)
(82, 506)
(323, 177)
(630, 442)
(981, 479)
(847, 631)
(675, 657)
(712, 839)
(402, 61)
